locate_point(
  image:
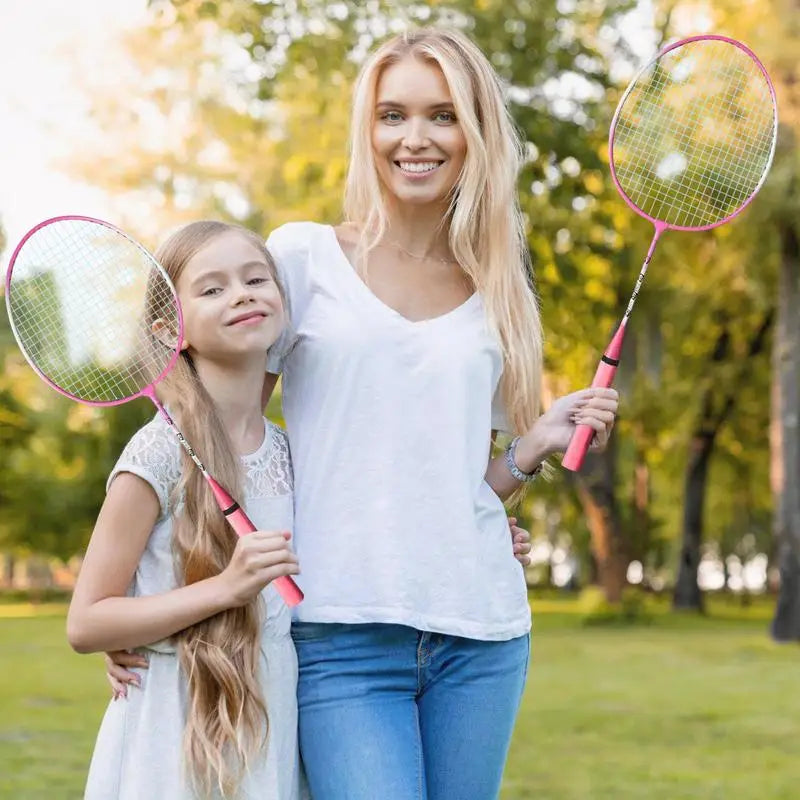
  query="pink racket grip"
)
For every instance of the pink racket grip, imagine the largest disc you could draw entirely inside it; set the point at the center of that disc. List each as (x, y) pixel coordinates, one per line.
(582, 438)
(604, 377)
(240, 522)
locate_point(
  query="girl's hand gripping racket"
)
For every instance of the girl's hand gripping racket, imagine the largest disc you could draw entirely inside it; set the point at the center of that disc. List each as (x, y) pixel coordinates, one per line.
(82, 297)
(691, 143)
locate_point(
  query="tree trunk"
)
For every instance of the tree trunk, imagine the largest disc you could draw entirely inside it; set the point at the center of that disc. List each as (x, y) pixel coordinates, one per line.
(609, 548)
(713, 414)
(786, 623)
(8, 571)
(641, 508)
(687, 591)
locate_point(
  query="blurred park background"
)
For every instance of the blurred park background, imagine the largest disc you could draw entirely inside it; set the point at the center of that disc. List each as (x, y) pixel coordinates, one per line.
(665, 579)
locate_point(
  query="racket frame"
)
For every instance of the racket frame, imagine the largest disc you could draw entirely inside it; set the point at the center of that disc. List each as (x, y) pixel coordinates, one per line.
(606, 370)
(659, 224)
(148, 390)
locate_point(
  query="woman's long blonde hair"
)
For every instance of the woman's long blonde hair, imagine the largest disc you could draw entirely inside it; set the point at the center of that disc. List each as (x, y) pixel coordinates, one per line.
(226, 719)
(485, 225)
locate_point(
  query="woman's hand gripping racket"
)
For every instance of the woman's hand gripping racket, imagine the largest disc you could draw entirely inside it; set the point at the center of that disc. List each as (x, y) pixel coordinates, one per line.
(691, 143)
(81, 297)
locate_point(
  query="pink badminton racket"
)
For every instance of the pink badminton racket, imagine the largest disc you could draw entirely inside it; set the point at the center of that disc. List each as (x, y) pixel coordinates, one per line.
(691, 143)
(82, 297)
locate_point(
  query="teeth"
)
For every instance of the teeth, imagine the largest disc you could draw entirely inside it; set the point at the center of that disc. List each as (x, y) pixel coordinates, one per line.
(418, 166)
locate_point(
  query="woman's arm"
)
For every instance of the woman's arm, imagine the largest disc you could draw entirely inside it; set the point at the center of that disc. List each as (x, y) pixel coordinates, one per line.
(552, 432)
(101, 617)
(534, 452)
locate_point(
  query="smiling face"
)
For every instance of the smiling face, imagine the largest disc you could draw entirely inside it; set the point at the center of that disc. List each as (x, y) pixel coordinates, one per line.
(417, 141)
(230, 300)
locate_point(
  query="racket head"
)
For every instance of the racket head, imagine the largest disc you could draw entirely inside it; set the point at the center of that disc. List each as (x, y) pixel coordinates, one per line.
(694, 134)
(81, 297)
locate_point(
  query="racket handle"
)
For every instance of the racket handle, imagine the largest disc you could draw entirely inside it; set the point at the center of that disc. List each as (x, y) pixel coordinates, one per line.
(604, 377)
(240, 522)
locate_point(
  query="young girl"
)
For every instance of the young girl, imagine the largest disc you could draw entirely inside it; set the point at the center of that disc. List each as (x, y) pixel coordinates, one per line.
(217, 713)
(414, 336)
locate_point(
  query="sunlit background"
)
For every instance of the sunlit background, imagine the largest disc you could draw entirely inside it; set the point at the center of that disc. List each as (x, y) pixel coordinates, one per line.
(658, 571)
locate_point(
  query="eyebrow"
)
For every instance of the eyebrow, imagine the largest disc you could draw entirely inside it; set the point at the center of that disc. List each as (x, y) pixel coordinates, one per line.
(218, 273)
(432, 107)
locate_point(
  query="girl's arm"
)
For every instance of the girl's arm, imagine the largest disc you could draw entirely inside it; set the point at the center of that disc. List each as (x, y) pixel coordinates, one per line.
(101, 617)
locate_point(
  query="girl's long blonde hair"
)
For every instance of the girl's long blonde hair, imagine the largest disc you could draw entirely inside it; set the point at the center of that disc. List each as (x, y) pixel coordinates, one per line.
(484, 221)
(226, 720)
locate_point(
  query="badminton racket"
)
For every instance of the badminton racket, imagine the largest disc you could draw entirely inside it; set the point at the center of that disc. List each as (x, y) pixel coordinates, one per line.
(82, 297)
(690, 145)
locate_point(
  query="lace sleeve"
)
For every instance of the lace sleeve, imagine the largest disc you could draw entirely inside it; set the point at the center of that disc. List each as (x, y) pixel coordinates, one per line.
(270, 475)
(153, 454)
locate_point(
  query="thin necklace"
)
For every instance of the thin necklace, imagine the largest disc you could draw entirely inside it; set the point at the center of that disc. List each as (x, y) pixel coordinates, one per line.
(418, 257)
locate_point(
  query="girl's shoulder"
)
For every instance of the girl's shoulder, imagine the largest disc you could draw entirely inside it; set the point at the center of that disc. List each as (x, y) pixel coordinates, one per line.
(153, 454)
(269, 471)
(280, 438)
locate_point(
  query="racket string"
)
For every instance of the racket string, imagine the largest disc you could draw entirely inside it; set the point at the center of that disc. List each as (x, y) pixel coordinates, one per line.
(81, 294)
(730, 104)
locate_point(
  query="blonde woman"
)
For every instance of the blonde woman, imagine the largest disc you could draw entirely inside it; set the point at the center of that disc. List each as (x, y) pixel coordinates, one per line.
(217, 713)
(414, 334)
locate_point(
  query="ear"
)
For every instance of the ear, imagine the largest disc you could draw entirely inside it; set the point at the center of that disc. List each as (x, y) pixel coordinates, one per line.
(165, 333)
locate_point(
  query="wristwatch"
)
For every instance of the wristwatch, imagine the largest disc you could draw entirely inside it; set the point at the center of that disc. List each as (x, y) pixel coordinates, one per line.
(524, 477)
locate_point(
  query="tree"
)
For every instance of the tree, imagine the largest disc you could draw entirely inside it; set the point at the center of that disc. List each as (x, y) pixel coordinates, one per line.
(773, 27)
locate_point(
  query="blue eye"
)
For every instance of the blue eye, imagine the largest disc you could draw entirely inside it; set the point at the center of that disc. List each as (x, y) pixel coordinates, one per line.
(445, 116)
(210, 292)
(392, 116)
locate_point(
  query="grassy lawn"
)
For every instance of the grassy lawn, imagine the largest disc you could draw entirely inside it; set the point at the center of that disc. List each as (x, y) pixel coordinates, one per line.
(680, 708)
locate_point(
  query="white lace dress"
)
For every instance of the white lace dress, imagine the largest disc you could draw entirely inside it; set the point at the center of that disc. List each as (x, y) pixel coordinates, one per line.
(137, 755)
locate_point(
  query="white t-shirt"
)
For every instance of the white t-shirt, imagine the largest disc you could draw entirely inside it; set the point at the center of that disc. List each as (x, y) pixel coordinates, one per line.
(389, 425)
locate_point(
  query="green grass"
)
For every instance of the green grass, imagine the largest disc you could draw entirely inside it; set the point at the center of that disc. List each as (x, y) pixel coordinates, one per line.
(683, 707)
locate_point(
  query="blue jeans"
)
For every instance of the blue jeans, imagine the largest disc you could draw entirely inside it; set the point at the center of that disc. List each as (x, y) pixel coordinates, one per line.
(388, 712)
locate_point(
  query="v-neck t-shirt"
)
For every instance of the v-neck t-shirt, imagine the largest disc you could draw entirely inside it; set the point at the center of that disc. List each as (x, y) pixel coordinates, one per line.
(389, 424)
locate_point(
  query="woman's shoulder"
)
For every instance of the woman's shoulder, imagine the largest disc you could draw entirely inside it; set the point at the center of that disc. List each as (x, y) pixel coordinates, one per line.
(295, 237)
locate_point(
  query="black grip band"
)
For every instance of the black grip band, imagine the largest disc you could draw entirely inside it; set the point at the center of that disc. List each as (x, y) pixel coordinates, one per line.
(228, 511)
(613, 361)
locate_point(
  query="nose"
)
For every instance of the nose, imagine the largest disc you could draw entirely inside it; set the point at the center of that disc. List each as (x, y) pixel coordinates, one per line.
(243, 294)
(416, 134)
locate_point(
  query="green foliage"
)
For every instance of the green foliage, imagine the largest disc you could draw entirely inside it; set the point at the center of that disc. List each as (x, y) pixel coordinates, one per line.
(240, 110)
(596, 610)
(54, 458)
